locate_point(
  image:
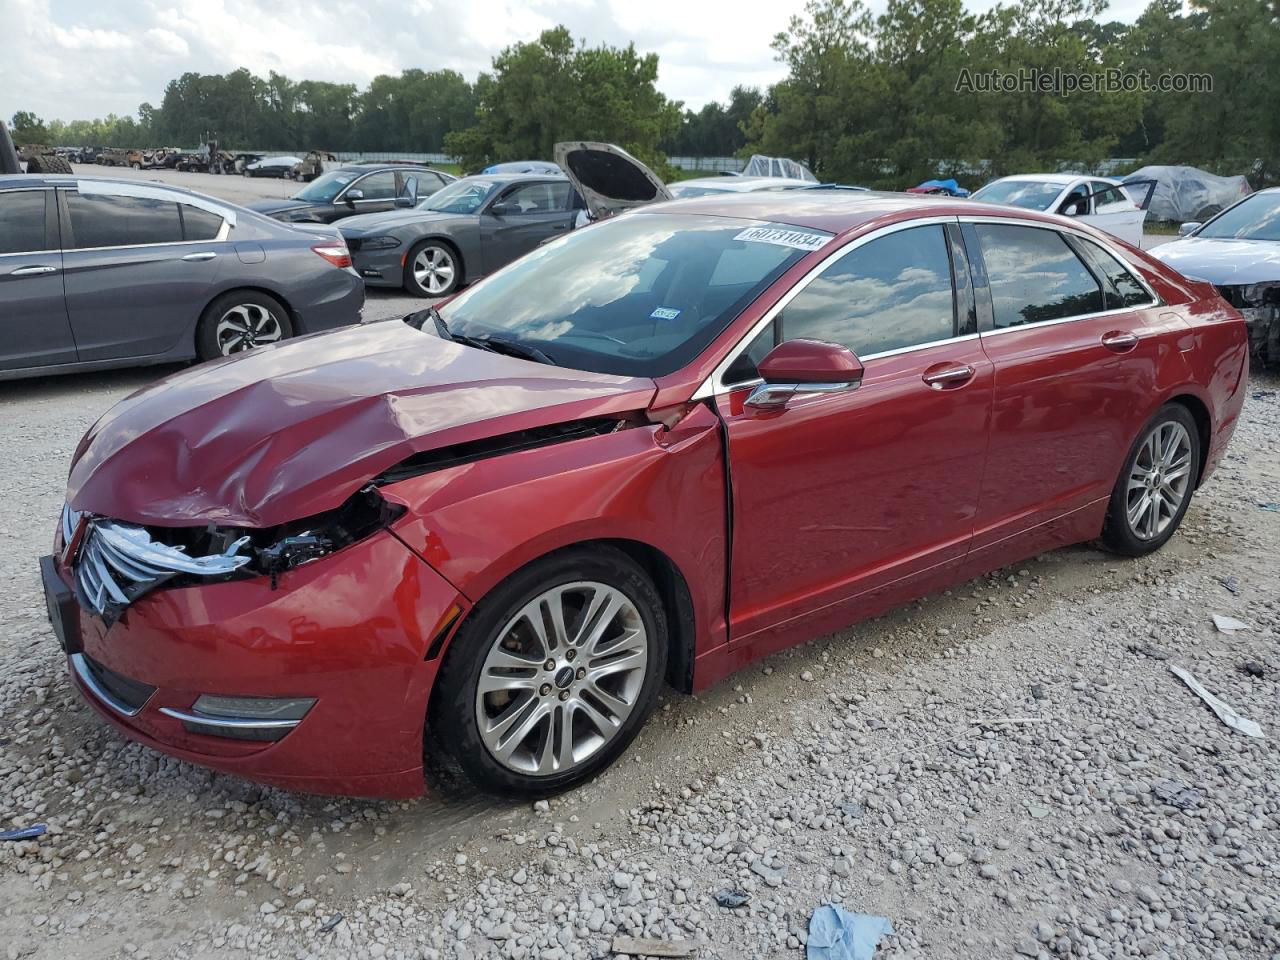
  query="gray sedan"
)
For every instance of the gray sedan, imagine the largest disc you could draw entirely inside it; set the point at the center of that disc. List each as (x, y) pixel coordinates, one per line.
(460, 233)
(106, 273)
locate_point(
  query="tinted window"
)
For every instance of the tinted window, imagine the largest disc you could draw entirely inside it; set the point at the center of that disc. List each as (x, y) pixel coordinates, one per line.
(122, 221)
(1127, 291)
(632, 294)
(1108, 195)
(1256, 218)
(378, 186)
(22, 221)
(744, 364)
(461, 196)
(892, 292)
(199, 224)
(539, 197)
(1034, 276)
(1032, 194)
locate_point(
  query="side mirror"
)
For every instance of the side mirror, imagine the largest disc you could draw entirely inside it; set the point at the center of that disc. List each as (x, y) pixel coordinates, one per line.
(804, 366)
(501, 208)
(1188, 228)
(404, 201)
(354, 194)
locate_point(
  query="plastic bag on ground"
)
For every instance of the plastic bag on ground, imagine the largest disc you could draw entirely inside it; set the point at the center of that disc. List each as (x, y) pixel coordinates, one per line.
(837, 934)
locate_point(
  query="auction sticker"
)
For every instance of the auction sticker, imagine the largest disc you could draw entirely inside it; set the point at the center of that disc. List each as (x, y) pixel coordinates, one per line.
(664, 313)
(799, 239)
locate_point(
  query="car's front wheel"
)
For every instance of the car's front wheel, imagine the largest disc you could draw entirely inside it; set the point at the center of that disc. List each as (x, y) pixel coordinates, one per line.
(432, 269)
(1154, 488)
(552, 675)
(241, 320)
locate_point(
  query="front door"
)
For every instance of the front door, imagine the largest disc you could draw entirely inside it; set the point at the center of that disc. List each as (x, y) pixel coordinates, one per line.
(841, 500)
(520, 218)
(1114, 213)
(134, 286)
(34, 330)
(371, 193)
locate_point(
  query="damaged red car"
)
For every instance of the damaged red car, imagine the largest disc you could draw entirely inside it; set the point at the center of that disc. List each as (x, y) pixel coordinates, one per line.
(648, 453)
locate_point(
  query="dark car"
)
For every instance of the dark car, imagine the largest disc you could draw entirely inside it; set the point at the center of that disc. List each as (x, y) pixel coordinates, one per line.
(463, 232)
(107, 273)
(355, 188)
(648, 453)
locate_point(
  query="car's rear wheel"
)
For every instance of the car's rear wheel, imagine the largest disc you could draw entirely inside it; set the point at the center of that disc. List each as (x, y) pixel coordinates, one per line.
(432, 269)
(241, 320)
(1153, 491)
(552, 675)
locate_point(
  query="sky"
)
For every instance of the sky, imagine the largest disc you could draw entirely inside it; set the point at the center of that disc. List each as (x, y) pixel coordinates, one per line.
(82, 59)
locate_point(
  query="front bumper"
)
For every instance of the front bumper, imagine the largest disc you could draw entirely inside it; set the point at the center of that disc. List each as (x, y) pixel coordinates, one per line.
(351, 631)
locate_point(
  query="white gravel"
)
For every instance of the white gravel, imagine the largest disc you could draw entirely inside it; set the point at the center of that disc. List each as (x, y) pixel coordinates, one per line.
(1006, 770)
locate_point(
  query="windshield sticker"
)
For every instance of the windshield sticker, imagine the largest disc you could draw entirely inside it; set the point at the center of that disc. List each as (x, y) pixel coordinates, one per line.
(664, 313)
(798, 239)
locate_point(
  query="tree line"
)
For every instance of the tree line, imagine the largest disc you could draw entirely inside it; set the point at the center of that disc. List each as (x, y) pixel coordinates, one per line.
(883, 101)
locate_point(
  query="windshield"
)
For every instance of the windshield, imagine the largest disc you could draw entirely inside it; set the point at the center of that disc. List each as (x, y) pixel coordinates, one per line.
(1030, 194)
(461, 196)
(325, 187)
(1254, 218)
(639, 295)
(686, 190)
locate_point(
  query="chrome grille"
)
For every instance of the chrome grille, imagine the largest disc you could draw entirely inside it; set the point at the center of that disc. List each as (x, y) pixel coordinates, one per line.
(119, 562)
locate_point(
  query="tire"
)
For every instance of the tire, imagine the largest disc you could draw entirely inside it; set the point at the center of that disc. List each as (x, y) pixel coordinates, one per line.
(225, 322)
(1135, 526)
(535, 760)
(423, 280)
(136, 166)
(48, 163)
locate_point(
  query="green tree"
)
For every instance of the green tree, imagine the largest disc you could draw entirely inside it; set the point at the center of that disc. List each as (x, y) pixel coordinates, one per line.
(28, 128)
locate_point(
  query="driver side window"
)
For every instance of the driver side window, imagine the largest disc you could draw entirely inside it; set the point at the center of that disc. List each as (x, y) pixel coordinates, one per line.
(539, 198)
(377, 186)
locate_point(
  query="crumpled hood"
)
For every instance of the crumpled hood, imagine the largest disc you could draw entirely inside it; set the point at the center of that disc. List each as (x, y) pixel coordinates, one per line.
(1223, 263)
(367, 223)
(285, 432)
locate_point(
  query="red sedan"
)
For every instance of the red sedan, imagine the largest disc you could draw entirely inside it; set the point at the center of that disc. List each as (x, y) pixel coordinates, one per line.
(650, 452)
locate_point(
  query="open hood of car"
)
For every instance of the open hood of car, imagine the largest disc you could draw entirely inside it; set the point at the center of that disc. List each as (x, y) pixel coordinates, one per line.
(1223, 263)
(288, 431)
(608, 178)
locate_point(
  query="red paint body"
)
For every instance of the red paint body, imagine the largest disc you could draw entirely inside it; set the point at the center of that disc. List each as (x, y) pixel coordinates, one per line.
(825, 512)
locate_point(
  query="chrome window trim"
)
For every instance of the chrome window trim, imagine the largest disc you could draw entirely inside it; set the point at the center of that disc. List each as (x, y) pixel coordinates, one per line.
(1053, 323)
(223, 235)
(86, 677)
(145, 191)
(200, 719)
(714, 383)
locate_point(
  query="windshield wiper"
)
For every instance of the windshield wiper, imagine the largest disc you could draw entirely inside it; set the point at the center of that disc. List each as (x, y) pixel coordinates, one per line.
(511, 348)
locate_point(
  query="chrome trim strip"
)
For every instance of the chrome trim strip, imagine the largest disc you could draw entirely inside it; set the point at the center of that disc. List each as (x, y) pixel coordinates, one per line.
(147, 191)
(199, 719)
(82, 671)
(1072, 319)
(714, 383)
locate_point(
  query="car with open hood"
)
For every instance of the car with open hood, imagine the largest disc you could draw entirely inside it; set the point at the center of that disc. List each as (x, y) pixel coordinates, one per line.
(1100, 202)
(648, 452)
(460, 233)
(1238, 251)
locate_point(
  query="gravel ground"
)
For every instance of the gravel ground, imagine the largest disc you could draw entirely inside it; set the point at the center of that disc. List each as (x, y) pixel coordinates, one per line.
(1005, 770)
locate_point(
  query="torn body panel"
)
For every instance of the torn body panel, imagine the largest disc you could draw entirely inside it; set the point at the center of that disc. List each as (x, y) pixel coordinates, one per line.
(477, 523)
(273, 435)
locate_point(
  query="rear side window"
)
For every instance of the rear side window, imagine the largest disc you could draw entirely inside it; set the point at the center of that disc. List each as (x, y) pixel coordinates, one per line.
(1125, 290)
(22, 224)
(1034, 276)
(102, 221)
(890, 293)
(199, 224)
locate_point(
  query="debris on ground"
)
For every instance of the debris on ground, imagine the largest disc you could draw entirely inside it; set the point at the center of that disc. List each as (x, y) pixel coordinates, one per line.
(24, 833)
(1228, 625)
(1175, 793)
(650, 947)
(731, 899)
(1144, 651)
(331, 923)
(1254, 669)
(837, 934)
(1273, 507)
(1231, 583)
(1226, 713)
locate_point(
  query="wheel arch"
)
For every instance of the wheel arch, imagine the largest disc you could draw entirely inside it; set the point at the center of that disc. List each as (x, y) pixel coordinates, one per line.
(1199, 411)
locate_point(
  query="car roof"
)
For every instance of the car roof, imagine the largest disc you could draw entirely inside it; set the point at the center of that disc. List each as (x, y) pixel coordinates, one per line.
(1060, 178)
(366, 165)
(736, 184)
(834, 211)
(15, 180)
(512, 177)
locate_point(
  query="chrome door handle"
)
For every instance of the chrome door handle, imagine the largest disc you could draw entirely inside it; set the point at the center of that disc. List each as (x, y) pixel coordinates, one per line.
(197, 257)
(32, 271)
(1119, 341)
(951, 375)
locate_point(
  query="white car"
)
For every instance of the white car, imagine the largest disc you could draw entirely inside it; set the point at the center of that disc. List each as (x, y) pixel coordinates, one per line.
(1098, 201)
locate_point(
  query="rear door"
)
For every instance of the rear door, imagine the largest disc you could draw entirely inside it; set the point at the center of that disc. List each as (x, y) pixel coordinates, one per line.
(519, 218)
(841, 499)
(1075, 368)
(135, 286)
(34, 329)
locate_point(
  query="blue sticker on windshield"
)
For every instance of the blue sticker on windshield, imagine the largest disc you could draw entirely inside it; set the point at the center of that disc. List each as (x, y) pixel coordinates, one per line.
(664, 313)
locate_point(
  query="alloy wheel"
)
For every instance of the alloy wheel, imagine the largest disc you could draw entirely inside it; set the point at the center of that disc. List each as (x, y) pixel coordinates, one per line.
(245, 326)
(433, 269)
(562, 677)
(1159, 480)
